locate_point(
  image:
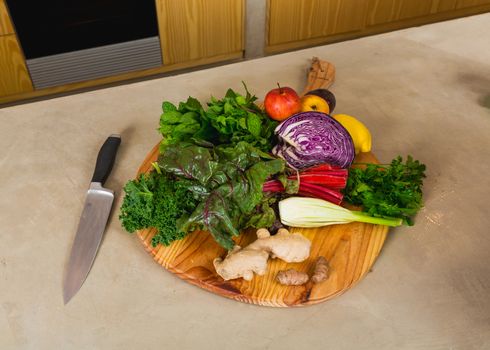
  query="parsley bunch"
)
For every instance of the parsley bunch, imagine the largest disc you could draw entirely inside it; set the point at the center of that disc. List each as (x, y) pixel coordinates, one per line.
(393, 190)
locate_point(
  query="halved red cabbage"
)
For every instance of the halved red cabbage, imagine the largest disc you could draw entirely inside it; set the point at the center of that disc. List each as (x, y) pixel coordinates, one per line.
(311, 138)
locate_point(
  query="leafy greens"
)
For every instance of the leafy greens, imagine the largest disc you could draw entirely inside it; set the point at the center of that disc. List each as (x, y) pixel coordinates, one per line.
(229, 181)
(218, 189)
(233, 119)
(393, 190)
(154, 200)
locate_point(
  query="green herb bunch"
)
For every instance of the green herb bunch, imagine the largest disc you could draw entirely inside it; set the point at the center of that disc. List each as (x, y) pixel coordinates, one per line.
(233, 119)
(393, 190)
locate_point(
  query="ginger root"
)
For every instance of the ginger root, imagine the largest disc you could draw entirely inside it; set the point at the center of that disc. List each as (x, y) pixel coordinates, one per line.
(241, 263)
(290, 247)
(291, 277)
(320, 273)
(244, 262)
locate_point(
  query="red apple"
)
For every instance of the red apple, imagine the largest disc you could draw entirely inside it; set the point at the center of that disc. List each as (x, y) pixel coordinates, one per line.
(281, 103)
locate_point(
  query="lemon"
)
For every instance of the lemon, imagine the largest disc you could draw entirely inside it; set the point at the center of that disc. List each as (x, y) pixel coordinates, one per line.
(357, 130)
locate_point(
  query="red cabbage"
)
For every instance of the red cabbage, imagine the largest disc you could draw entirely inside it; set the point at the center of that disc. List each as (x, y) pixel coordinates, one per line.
(311, 138)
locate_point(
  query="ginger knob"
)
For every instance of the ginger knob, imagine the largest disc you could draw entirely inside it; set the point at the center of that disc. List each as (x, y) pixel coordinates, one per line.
(321, 270)
(292, 277)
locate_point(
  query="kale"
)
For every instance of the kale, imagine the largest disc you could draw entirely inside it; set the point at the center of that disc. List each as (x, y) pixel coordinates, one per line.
(156, 200)
(393, 190)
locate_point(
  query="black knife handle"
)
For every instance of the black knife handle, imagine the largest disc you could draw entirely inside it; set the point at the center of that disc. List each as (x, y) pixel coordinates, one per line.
(106, 158)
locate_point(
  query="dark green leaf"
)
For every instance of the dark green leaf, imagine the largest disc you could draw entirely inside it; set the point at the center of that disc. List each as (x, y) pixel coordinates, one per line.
(155, 200)
(188, 161)
(394, 190)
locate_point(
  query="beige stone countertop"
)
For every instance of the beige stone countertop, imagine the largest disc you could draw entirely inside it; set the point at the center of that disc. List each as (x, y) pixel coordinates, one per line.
(423, 91)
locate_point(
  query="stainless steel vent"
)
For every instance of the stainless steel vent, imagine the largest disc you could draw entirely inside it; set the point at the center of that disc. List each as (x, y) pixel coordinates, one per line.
(95, 62)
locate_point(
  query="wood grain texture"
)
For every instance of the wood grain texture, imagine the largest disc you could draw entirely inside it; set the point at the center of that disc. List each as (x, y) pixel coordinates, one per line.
(386, 11)
(471, 3)
(366, 17)
(194, 29)
(6, 26)
(120, 77)
(351, 249)
(14, 77)
(296, 20)
(320, 76)
(438, 6)
(383, 11)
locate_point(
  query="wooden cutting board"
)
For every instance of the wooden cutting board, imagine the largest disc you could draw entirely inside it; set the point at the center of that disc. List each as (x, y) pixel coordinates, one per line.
(351, 249)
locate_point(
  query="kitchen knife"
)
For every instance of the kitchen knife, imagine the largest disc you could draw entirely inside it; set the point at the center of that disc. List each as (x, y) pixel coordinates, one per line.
(96, 210)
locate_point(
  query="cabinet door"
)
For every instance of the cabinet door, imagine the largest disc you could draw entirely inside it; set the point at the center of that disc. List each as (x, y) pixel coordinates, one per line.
(5, 23)
(439, 6)
(14, 77)
(298, 20)
(198, 29)
(386, 11)
(471, 3)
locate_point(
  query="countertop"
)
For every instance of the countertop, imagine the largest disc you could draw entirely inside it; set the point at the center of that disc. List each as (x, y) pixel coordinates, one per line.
(423, 91)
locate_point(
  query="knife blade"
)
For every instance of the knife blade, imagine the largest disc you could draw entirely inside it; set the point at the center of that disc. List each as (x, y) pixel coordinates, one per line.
(91, 227)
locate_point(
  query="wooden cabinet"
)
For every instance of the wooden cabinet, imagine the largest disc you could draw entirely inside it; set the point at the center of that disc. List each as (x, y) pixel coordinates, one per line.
(384, 11)
(471, 3)
(6, 26)
(192, 33)
(294, 24)
(14, 78)
(388, 11)
(439, 6)
(296, 21)
(198, 30)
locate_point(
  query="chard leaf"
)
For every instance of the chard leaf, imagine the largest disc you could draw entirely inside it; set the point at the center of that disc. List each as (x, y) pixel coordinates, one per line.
(264, 216)
(235, 188)
(188, 161)
(290, 186)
